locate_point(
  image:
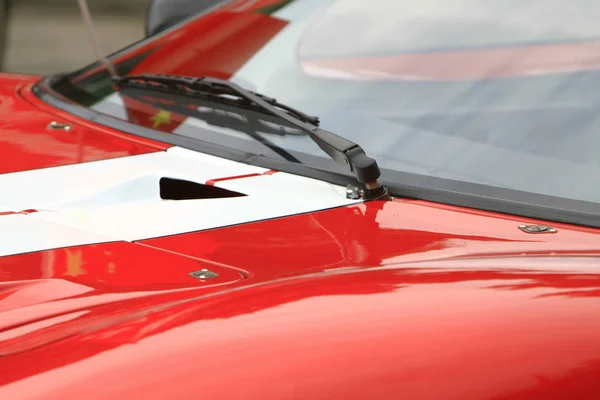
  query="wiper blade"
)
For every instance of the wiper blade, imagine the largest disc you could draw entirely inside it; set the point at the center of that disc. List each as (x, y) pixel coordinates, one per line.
(213, 87)
(341, 150)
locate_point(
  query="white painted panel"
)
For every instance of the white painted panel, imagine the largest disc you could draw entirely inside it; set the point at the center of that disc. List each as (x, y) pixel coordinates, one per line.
(122, 180)
(269, 196)
(289, 187)
(23, 234)
(119, 200)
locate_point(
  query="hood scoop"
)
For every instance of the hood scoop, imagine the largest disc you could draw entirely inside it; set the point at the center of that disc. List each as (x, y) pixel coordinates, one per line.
(179, 189)
(146, 189)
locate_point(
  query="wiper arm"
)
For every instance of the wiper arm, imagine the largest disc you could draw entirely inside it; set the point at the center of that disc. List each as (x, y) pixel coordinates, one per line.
(341, 150)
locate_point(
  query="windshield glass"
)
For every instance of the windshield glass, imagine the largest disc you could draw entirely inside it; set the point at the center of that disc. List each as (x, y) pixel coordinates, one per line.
(494, 93)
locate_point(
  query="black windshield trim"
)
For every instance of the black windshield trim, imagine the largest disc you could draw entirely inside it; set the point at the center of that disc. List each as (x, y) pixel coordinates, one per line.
(405, 185)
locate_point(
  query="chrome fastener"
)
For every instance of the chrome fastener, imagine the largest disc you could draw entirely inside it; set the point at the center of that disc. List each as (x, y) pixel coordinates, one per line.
(204, 274)
(353, 193)
(58, 126)
(537, 229)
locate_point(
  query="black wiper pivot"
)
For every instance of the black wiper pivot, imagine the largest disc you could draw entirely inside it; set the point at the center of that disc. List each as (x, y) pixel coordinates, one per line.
(341, 150)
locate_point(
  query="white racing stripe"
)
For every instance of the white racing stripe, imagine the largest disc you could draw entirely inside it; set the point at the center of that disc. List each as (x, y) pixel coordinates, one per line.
(22, 234)
(119, 200)
(123, 179)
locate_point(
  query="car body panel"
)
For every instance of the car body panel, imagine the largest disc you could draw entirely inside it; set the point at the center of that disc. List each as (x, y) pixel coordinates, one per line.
(121, 199)
(27, 142)
(368, 300)
(306, 295)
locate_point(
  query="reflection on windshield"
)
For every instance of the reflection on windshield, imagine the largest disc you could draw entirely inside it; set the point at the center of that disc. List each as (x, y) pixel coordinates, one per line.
(357, 27)
(490, 93)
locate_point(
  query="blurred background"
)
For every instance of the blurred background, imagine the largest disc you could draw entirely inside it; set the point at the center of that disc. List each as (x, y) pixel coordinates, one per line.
(47, 36)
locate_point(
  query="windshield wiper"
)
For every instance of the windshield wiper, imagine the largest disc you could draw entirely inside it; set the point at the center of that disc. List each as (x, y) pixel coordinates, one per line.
(341, 150)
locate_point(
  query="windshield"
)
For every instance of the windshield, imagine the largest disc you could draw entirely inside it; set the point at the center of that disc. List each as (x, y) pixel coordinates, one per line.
(494, 93)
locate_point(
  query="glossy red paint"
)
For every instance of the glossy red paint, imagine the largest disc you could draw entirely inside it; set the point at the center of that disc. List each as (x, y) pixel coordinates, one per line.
(51, 283)
(213, 182)
(19, 212)
(402, 231)
(25, 92)
(381, 300)
(26, 141)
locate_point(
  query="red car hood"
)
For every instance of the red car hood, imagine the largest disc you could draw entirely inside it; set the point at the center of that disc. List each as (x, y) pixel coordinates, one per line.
(108, 290)
(331, 304)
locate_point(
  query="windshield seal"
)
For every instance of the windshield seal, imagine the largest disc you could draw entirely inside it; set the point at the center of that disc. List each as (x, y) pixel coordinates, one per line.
(402, 184)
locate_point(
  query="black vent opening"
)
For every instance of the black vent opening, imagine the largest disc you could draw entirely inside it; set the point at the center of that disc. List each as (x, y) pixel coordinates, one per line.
(177, 189)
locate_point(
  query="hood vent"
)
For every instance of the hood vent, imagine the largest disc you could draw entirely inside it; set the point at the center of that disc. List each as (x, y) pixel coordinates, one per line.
(177, 189)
